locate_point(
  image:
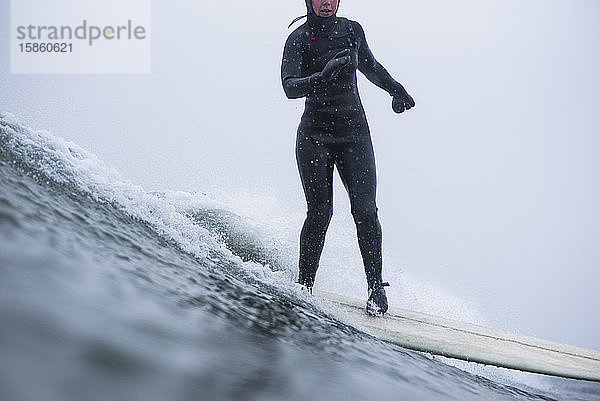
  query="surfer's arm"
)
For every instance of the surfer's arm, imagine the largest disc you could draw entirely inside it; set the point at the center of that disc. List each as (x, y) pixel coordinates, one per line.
(376, 73)
(372, 69)
(295, 85)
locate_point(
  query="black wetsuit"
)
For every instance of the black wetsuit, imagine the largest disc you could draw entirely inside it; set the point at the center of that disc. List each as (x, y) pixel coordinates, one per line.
(334, 131)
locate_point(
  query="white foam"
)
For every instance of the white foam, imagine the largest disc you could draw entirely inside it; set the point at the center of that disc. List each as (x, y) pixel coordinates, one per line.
(68, 163)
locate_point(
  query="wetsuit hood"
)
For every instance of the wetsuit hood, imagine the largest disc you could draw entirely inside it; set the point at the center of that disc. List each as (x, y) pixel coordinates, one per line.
(319, 23)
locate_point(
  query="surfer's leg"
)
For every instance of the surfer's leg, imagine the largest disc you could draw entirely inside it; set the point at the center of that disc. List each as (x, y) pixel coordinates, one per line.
(315, 165)
(356, 165)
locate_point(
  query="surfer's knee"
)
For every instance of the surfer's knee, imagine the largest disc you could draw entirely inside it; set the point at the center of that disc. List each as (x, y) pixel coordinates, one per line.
(321, 211)
(364, 212)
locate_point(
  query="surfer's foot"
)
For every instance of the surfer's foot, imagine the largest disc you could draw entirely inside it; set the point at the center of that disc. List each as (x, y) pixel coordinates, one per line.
(377, 303)
(306, 288)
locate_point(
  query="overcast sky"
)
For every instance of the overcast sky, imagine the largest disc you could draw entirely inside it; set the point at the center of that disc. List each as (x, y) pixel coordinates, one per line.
(488, 188)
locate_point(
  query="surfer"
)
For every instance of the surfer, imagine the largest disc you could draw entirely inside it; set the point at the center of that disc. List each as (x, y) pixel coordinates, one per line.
(319, 62)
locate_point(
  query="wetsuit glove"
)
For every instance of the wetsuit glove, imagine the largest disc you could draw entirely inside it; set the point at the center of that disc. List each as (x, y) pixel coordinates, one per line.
(402, 100)
(333, 67)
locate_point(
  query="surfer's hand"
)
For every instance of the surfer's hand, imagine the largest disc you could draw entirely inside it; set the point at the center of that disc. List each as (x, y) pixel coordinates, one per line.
(402, 101)
(333, 67)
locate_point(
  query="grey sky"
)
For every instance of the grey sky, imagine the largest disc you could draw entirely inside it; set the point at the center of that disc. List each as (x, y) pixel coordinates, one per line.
(488, 188)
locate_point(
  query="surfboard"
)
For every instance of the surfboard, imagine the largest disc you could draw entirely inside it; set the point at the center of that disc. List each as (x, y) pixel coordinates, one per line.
(470, 342)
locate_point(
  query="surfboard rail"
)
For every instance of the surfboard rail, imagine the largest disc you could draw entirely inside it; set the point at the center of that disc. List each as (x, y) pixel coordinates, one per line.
(472, 343)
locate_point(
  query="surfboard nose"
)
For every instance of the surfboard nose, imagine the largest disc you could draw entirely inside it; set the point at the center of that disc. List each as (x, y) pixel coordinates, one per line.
(472, 343)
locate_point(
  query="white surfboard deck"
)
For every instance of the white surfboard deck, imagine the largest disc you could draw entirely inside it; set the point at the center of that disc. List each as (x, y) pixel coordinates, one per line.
(473, 343)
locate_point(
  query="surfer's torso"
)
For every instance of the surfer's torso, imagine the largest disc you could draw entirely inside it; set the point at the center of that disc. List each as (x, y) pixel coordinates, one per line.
(334, 109)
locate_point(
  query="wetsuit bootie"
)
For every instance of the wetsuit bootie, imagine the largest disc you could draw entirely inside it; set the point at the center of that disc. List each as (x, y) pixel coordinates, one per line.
(306, 289)
(305, 286)
(377, 303)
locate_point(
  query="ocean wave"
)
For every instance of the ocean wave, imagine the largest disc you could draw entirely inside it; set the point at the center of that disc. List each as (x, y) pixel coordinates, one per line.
(197, 223)
(186, 248)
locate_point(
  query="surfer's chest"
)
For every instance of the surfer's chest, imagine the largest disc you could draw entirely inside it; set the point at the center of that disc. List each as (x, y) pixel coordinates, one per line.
(319, 49)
